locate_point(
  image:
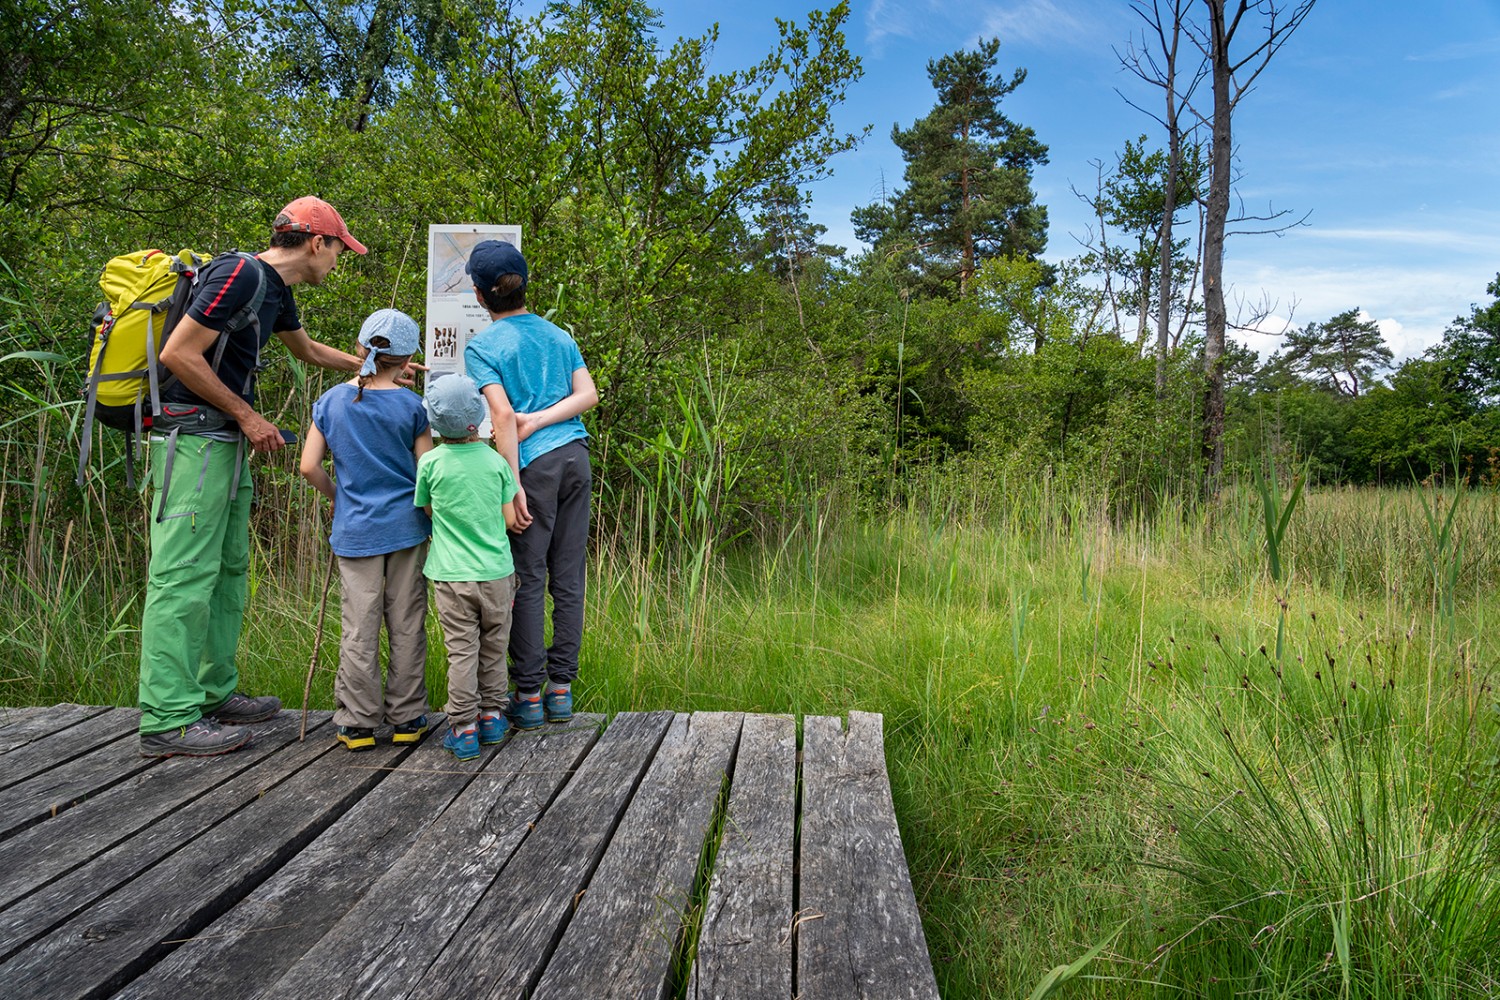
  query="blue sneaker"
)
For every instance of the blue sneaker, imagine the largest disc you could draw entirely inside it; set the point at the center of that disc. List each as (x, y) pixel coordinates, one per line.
(525, 713)
(558, 704)
(493, 727)
(463, 745)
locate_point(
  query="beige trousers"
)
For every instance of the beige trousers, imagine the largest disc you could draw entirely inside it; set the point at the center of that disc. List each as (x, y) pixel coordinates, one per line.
(476, 626)
(390, 589)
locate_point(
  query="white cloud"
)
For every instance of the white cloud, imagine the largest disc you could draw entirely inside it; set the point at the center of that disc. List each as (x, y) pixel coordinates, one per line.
(886, 19)
(1082, 24)
(1475, 49)
(1036, 22)
(1467, 239)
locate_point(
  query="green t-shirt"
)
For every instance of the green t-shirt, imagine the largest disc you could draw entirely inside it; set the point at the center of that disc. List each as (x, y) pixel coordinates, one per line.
(467, 485)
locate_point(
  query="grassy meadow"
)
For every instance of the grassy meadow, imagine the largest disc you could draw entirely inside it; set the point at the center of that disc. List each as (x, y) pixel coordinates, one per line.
(1240, 779)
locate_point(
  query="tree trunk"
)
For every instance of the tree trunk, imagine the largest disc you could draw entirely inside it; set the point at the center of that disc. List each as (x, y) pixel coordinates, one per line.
(1168, 212)
(1215, 313)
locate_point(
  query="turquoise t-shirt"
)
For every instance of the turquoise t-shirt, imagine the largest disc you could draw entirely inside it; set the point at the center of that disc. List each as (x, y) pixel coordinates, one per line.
(467, 485)
(533, 361)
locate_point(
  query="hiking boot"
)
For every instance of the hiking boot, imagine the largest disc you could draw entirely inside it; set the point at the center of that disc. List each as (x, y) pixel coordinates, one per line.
(357, 737)
(462, 744)
(558, 705)
(241, 708)
(410, 732)
(204, 738)
(525, 713)
(492, 727)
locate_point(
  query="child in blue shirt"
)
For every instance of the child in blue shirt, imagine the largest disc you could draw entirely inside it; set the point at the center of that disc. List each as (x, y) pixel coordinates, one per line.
(376, 431)
(536, 385)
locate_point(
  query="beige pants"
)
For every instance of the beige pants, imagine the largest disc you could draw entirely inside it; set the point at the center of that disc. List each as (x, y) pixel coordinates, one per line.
(476, 626)
(389, 589)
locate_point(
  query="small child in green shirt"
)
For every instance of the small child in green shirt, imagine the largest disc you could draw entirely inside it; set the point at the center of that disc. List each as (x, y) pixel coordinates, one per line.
(462, 484)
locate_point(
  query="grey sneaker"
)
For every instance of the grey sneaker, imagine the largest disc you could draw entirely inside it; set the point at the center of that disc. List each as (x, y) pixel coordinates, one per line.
(241, 709)
(204, 738)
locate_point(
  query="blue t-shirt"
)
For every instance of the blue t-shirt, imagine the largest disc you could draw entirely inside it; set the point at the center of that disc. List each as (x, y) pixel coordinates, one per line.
(533, 361)
(374, 468)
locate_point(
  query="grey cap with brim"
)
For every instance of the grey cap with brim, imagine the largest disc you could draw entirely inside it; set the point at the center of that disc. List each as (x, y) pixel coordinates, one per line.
(454, 406)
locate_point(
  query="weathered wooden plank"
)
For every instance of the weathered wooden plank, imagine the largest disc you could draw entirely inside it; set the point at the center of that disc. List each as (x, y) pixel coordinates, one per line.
(383, 945)
(55, 791)
(20, 726)
(266, 933)
(51, 849)
(745, 946)
(620, 941)
(63, 745)
(499, 948)
(858, 934)
(210, 853)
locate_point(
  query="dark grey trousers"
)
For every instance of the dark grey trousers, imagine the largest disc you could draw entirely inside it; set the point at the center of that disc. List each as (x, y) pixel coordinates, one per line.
(551, 556)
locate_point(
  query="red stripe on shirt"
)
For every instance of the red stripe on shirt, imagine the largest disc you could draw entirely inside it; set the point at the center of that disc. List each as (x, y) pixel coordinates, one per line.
(228, 281)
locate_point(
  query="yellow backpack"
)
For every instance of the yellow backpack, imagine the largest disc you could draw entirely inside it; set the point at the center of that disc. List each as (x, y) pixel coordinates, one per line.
(146, 293)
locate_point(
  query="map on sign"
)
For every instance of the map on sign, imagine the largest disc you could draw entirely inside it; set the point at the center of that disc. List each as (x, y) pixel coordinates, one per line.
(448, 250)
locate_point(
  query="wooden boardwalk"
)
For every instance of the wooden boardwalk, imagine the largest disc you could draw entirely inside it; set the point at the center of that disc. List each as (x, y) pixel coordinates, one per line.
(659, 855)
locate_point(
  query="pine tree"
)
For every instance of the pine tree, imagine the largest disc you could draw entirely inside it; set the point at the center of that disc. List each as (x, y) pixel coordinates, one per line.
(968, 193)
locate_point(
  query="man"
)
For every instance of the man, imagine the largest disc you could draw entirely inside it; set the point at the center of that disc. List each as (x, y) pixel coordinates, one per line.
(536, 384)
(200, 531)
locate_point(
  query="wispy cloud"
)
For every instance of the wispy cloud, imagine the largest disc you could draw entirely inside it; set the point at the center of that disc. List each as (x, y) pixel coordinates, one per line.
(886, 19)
(1473, 49)
(1477, 240)
(1052, 24)
(1037, 22)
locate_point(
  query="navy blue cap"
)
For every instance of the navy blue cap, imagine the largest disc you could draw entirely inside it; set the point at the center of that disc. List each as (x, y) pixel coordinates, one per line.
(493, 260)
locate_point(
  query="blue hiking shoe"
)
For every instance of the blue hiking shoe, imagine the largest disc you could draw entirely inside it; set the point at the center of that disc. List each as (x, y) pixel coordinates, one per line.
(558, 705)
(410, 732)
(462, 744)
(493, 728)
(525, 713)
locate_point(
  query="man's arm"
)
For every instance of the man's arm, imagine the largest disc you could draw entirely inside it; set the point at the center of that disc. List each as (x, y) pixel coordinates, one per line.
(184, 354)
(304, 348)
(503, 422)
(584, 397)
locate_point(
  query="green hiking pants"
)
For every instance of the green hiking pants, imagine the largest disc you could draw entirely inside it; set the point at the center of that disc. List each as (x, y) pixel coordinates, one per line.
(195, 588)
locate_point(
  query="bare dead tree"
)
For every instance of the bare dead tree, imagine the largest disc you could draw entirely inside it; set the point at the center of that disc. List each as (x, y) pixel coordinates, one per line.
(1155, 61)
(1232, 73)
(1234, 41)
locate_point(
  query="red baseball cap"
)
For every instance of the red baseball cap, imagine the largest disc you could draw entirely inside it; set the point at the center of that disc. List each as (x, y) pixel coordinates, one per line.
(316, 216)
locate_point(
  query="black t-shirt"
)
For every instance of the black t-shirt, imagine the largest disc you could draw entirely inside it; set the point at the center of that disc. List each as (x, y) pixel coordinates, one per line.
(224, 287)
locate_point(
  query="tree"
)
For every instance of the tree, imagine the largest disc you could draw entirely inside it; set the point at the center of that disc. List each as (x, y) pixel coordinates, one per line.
(1133, 199)
(1471, 348)
(101, 110)
(357, 51)
(1341, 355)
(1232, 73)
(968, 193)
(1157, 65)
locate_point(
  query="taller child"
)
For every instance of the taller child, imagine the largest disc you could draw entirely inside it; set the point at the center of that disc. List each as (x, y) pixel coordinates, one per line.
(536, 385)
(200, 531)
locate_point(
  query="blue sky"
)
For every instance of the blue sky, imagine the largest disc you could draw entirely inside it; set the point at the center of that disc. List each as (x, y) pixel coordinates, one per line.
(1379, 118)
